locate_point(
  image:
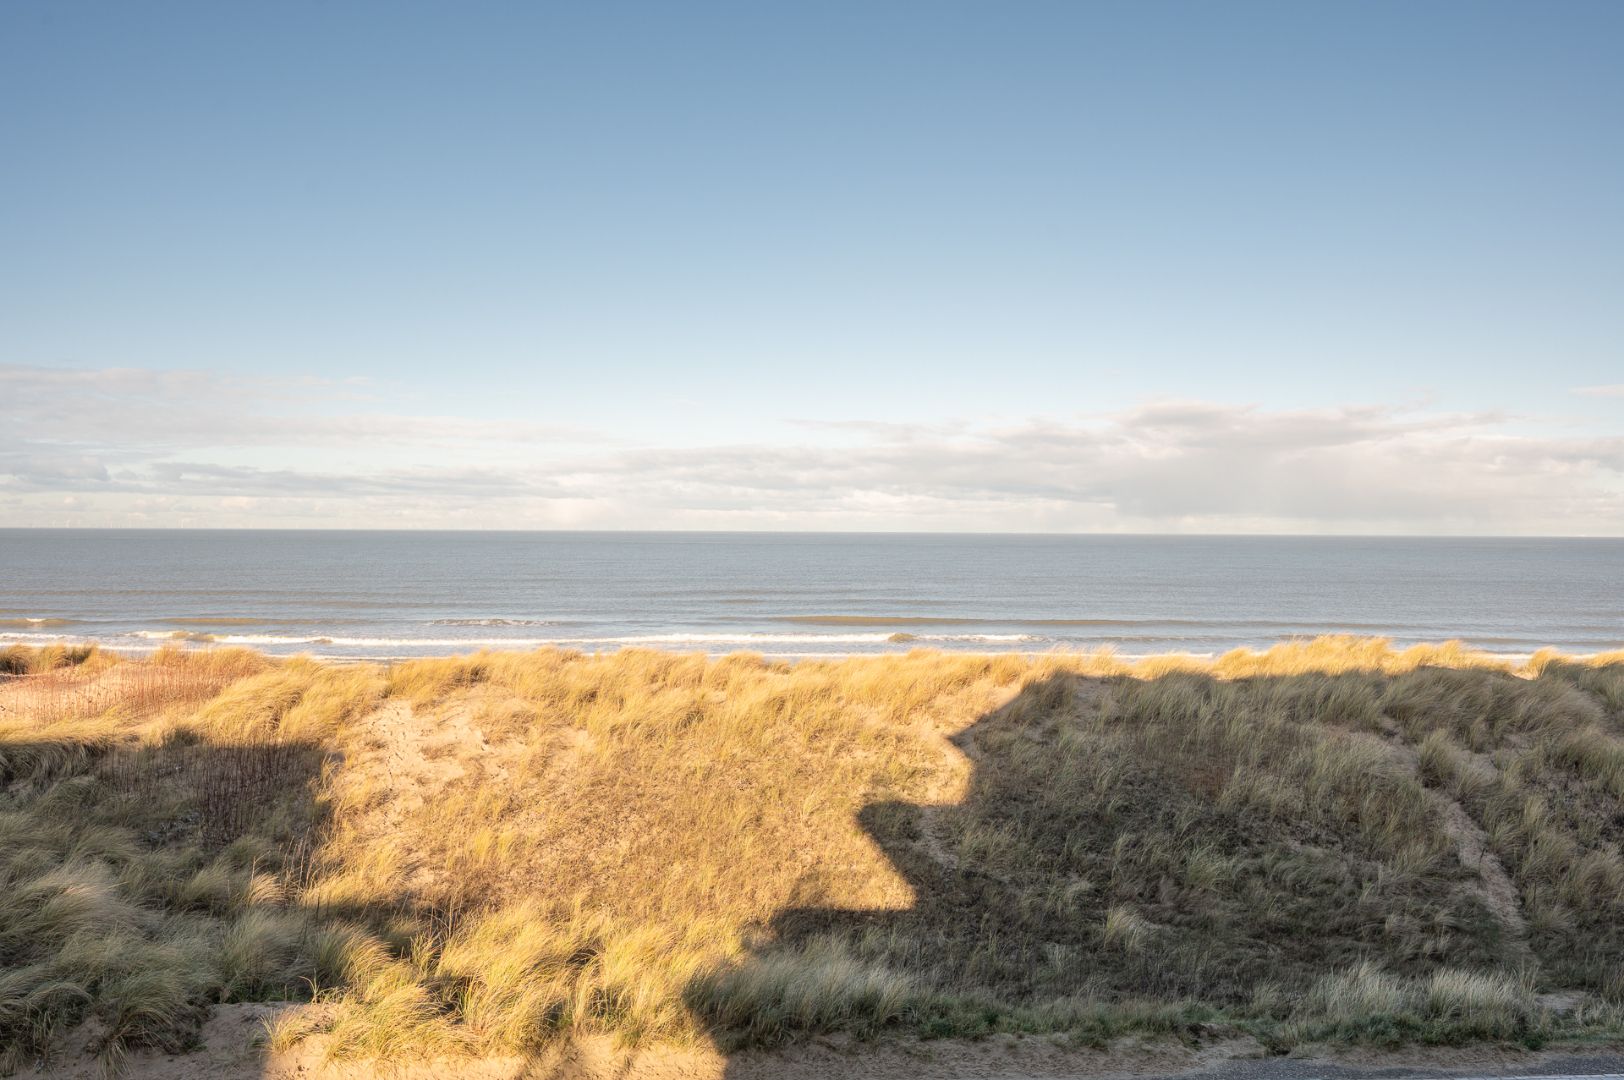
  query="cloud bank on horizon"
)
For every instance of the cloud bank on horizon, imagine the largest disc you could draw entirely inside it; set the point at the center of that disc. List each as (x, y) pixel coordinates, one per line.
(131, 447)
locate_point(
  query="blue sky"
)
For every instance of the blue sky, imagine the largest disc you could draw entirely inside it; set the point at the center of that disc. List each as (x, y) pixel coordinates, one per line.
(1150, 266)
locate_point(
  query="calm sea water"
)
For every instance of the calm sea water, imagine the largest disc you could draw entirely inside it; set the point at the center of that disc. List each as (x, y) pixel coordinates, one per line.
(396, 594)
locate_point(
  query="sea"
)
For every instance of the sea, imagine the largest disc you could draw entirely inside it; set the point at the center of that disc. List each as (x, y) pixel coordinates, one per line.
(382, 595)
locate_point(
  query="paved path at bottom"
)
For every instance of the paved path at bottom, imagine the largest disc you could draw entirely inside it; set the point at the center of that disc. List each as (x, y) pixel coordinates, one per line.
(1609, 1066)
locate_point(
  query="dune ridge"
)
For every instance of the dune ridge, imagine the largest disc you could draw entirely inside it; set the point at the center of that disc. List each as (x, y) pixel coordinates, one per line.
(1332, 841)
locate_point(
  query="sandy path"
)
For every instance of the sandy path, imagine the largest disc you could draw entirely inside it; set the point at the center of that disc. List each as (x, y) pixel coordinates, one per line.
(1494, 885)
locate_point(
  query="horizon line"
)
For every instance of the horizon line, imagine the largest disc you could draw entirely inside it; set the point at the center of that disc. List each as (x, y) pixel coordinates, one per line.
(816, 532)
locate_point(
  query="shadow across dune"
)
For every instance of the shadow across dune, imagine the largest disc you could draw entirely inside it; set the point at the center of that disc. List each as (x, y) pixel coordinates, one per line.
(142, 882)
(1150, 852)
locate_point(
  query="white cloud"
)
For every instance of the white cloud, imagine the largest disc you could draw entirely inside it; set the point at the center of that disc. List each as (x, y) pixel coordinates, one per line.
(1614, 390)
(181, 448)
(134, 413)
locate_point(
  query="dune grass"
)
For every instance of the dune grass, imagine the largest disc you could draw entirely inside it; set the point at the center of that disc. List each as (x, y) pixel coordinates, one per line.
(1326, 841)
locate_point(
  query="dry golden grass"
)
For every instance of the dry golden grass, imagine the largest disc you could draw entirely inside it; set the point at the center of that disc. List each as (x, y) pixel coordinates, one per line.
(1326, 840)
